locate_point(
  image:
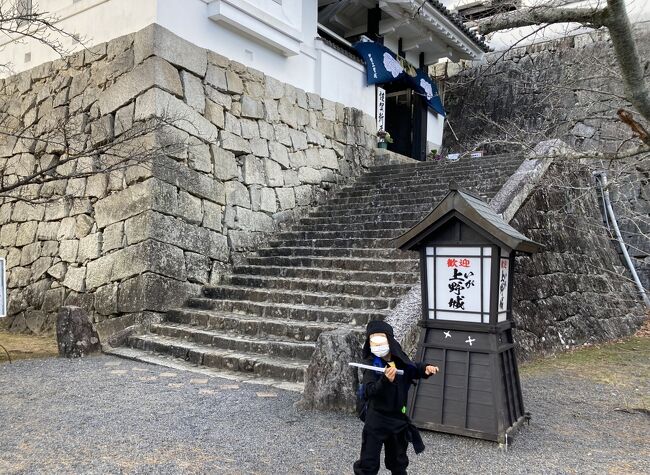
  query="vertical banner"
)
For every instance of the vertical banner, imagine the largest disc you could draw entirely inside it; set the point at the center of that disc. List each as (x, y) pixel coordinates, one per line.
(3, 288)
(381, 109)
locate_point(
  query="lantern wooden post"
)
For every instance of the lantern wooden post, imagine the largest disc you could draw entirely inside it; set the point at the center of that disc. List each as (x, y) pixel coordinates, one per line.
(466, 262)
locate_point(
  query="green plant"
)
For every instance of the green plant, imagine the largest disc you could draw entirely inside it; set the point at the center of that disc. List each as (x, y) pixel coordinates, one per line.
(384, 136)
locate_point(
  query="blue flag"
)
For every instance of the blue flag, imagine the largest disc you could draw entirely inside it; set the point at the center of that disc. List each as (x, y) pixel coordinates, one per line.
(383, 66)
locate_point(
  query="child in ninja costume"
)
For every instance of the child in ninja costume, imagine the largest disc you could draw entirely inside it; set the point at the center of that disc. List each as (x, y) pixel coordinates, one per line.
(386, 422)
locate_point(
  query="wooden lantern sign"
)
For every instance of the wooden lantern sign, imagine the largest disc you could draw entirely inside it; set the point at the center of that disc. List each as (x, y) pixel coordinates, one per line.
(466, 264)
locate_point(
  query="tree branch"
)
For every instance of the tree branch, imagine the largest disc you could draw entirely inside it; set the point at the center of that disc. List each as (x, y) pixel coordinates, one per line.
(543, 15)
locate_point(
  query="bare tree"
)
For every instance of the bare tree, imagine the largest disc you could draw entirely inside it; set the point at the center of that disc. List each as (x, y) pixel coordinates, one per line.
(613, 16)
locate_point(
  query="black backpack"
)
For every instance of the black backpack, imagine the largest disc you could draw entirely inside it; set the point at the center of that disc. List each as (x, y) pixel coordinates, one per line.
(362, 402)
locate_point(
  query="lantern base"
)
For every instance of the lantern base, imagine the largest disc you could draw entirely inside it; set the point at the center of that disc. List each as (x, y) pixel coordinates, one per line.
(477, 392)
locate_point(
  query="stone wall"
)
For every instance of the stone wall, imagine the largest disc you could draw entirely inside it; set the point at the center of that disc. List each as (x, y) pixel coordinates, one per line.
(234, 154)
(568, 88)
(576, 290)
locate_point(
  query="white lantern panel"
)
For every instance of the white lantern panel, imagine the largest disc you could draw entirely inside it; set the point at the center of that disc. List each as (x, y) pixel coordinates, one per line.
(430, 281)
(458, 284)
(429, 251)
(487, 276)
(454, 251)
(458, 316)
(502, 301)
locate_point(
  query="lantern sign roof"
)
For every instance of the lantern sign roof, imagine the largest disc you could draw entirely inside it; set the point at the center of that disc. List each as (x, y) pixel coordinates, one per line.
(472, 209)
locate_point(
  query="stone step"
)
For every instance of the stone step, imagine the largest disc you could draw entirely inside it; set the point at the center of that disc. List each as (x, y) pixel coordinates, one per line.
(325, 211)
(464, 164)
(349, 234)
(399, 278)
(320, 299)
(344, 263)
(360, 252)
(253, 325)
(333, 243)
(308, 313)
(367, 289)
(325, 219)
(168, 361)
(236, 342)
(359, 226)
(398, 199)
(203, 355)
(414, 185)
(379, 204)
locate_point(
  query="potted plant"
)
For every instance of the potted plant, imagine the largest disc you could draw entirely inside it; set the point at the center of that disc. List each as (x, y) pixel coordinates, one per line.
(434, 155)
(384, 139)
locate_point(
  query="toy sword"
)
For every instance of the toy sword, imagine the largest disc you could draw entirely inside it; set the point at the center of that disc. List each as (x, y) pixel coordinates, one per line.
(374, 368)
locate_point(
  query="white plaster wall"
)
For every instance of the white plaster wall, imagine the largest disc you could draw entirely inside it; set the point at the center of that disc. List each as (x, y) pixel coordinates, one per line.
(435, 126)
(96, 21)
(341, 79)
(189, 19)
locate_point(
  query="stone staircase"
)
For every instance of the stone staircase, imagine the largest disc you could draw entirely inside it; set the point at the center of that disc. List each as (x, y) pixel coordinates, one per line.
(332, 269)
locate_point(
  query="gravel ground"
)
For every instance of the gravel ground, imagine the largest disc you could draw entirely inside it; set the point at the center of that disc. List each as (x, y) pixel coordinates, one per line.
(109, 415)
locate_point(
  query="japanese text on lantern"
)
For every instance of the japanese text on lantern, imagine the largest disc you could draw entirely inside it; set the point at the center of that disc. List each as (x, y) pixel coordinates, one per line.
(459, 282)
(503, 284)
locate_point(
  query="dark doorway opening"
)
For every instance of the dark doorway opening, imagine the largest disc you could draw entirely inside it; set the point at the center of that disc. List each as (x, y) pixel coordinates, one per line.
(399, 114)
(406, 121)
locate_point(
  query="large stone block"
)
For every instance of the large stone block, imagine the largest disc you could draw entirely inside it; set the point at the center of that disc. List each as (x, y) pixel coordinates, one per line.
(199, 156)
(259, 147)
(253, 170)
(252, 108)
(8, 235)
(198, 267)
(185, 178)
(156, 103)
(212, 215)
(215, 114)
(75, 279)
(330, 383)
(76, 335)
(170, 230)
(225, 164)
(106, 299)
(194, 92)
(25, 211)
(309, 175)
(153, 292)
(150, 194)
(279, 153)
(90, 247)
(154, 256)
(216, 76)
(155, 40)
(286, 197)
(30, 253)
(234, 143)
(153, 72)
(274, 176)
(237, 194)
(190, 208)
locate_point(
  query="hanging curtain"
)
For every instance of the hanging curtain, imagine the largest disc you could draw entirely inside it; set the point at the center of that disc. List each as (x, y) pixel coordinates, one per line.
(383, 66)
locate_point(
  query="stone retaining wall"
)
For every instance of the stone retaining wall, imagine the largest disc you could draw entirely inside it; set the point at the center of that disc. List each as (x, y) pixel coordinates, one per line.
(240, 154)
(569, 88)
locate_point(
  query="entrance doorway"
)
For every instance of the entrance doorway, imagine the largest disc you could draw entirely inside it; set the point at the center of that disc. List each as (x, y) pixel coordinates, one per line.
(406, 121)
(399, 113)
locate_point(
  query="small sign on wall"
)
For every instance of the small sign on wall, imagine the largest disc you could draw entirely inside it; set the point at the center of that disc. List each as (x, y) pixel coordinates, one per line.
(3, 288)
(381, 109)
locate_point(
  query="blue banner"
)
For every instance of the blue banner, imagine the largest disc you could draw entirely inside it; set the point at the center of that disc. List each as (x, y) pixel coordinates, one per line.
(383, 66)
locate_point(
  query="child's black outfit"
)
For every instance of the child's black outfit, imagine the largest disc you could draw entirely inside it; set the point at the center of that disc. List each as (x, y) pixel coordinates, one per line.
(386, 422)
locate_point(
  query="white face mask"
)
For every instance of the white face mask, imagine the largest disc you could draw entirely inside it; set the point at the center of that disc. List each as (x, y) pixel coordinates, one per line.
(380, 350)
